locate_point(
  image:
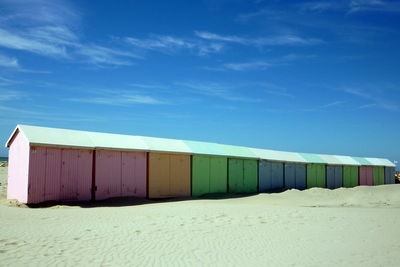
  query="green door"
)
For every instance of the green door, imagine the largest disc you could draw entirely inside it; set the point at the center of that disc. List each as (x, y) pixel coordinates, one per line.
(250, 176)
(200, 175)
(379, 175)
(321, 176)
(316, 175)
(350, 176)
(235, 175)
(218, 174)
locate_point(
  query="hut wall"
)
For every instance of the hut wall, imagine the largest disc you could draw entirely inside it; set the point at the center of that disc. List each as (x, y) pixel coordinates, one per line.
(389, 175)
(316, 176)
(350, 176)
(59, 174)
(378, 175)
(295, 176)
(169, 175)
(242, 175)
(271, 175)
(365, 175)
(334, 176)
(209, 175)
(120, 174)
(18, 168)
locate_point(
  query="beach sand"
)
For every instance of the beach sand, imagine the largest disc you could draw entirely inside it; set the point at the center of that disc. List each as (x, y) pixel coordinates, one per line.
(316, 227)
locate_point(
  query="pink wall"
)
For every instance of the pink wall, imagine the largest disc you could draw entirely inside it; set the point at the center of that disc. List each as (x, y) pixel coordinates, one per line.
(365, 175)
(59, 174)
(18, 166)
(120, 174)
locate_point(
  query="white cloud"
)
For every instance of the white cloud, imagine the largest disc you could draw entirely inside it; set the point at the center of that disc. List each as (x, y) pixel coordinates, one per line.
(100, 55)
(7, 95)
(374, 97)
(259, 64)
(20, 42)
(9, 62)
(47, 28)
(245, 66)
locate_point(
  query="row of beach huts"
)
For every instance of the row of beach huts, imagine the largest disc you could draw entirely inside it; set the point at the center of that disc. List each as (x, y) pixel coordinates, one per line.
(49, 164)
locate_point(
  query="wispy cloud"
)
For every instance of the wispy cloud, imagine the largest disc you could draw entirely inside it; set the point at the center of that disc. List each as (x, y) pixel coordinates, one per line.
(218, 90)
(367, 106)
(377, 100)
(259, 64)
(8, 95)
(46, 28)
(100, 55)
(254, 65)
(265, 41)
(170, 44)
(118, 98)
(9, 62)
(20, 42)
(350, 6)
(332, 104)
(373, 5)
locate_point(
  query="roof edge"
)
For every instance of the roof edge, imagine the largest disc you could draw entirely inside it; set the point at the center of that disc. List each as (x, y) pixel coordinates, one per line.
(16, 129)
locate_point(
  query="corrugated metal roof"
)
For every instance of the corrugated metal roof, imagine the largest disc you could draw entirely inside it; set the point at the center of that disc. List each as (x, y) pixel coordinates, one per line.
(346, 160)
(117, 141)
(205, 148)
(168, 145)
(363, 161)
(56, 137)
(380, 162)
(388, 163)
(238, 151)
(330, 159)
(94, 140)
(278, 155)
(313, 158)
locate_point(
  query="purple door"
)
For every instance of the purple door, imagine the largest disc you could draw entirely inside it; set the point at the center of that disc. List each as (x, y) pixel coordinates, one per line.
(108, 174)
(53, 173)
(365, 175)
(133, 174)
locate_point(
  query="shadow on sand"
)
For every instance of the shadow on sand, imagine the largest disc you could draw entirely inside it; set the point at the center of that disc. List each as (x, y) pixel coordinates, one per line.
(133, 201)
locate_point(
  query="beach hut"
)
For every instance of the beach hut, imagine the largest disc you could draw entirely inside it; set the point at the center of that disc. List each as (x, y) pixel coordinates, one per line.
(48, 164)
(209, 175)
(350, 176)
(295, 176)
(169, 175)
(270, 175)
(389, 175)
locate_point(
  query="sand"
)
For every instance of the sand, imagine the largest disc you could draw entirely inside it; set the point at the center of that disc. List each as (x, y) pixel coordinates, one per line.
(317, 227)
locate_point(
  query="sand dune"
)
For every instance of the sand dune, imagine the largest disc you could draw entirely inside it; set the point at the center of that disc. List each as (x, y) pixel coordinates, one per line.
(317, 227)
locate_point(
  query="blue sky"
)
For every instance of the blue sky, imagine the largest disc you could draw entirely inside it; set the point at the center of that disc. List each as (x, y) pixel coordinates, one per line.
(304, 76)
